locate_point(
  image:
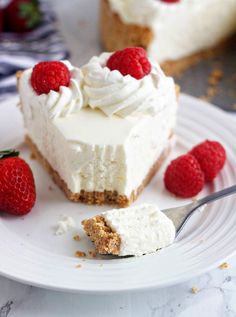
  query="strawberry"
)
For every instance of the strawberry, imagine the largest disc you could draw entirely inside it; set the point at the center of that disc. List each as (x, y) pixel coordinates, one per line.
(17, 188)
(22, 15)
(184, 177)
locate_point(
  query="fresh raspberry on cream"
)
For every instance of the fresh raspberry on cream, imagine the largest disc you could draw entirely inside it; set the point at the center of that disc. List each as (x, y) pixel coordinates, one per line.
(48, 76)
(131, 61)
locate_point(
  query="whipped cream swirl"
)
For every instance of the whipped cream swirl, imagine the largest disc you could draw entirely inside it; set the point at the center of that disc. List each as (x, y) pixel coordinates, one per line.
(55, 104)
(114, 93)
(68, 99)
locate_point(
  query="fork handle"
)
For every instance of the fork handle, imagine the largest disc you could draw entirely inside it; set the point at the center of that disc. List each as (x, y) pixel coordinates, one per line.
(217, 195)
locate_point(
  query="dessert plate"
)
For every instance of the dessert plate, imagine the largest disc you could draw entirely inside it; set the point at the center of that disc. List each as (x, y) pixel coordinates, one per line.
(33, 254)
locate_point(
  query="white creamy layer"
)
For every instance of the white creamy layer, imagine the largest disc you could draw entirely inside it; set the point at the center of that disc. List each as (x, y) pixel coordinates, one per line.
(95, 152)
(181, 28)
(143, 229)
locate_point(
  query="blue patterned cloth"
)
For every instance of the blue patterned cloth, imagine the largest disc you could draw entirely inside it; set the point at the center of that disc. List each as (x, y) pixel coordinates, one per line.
(20, 51)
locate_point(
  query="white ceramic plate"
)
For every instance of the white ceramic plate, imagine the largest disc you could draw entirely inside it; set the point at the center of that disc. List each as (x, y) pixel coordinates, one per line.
(31, 253)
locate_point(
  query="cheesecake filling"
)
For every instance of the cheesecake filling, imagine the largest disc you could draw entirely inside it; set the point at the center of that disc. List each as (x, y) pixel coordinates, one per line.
(93, 150)
(142, 229)
(182, 28)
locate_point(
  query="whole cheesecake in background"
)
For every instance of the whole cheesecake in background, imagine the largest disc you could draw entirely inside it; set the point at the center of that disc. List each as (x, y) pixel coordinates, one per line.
(101, 135)
(177, 33)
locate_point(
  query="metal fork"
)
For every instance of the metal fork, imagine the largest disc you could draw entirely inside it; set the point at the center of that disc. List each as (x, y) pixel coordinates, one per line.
(180, 215)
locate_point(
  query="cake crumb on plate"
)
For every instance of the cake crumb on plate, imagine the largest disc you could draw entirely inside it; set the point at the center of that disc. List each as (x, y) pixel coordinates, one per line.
(224, 266)
(78, 266)
(93, 253)
(76, 237)
(194, 290)
(80, 254)
(215, 76)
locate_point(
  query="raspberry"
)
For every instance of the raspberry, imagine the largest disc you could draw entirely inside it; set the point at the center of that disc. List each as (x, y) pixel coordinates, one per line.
(48, 76)
(131, 61)
(184, 177)
(211, 156)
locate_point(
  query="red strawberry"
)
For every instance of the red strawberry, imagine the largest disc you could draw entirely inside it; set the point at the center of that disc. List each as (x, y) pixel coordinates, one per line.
(17, 188)
(184, 177)
(211, 156)
(1, 20)
(22, 15)
(131, 61)
(48, 76)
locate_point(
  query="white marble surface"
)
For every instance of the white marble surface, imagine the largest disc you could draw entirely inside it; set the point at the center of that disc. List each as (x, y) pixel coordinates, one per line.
(217, 289)
(216, 298)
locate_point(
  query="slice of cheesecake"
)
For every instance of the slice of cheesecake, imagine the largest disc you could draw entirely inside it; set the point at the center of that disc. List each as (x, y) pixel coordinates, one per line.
(134, 231)
(176, 33)
(104, 135)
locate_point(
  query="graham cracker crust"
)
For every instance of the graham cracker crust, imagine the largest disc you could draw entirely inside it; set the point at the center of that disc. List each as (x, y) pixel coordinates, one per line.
(97, 198)
(106, 241)
(116, 35)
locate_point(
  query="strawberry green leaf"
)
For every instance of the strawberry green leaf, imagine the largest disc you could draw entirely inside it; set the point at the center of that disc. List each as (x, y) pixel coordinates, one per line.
(31, 13)
(8, 153)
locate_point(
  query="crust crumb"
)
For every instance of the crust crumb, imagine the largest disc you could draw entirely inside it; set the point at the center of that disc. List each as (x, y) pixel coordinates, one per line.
(204, 98)
(78, 266)
(194, 290)
(32, 156)
(92, 253)
(224, 266)
(211, 92)
(76, 237)
(215, 77)
(213, 80)
(50, 188)
(80, 254)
